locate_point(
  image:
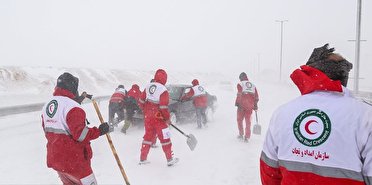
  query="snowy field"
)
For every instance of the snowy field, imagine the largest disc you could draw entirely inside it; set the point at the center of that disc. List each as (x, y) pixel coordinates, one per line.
(218, 159)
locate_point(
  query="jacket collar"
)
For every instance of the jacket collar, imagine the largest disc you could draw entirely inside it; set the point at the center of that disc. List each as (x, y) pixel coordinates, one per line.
(63, 92)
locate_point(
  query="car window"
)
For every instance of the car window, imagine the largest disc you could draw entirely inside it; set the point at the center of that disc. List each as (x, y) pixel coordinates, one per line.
(174, 92)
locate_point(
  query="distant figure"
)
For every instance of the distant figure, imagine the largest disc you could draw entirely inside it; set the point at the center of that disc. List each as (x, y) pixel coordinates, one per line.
(116, 105)
(200, 102)
(68, 148)
(324, 136)
(154, 103)
(246, 101)
(131, 106)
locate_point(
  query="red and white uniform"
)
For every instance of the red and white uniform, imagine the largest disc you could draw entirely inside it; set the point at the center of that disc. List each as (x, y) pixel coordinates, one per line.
(246, 100)
(323, 137)
(68, 147)
(154, 103)
(247, 95)
(118, 96)
(199, 96)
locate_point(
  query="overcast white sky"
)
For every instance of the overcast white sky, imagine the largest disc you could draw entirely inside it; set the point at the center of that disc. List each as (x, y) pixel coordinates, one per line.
(201, 35)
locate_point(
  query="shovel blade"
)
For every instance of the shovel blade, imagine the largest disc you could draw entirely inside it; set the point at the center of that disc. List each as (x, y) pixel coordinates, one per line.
(191, 141)
(257, 129)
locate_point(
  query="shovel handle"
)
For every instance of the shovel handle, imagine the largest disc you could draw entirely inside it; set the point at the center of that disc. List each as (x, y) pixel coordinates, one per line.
(256, 116)
(179, 130)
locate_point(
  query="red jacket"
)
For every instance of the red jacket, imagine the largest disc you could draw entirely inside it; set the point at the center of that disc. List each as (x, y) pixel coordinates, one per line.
(68, 149)
(246, 100)
(135, 92)
(118, 96)
(200, 100)
(156, 110)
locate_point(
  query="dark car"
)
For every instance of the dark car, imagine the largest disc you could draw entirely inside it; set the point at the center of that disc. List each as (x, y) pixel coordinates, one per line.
(184, 111)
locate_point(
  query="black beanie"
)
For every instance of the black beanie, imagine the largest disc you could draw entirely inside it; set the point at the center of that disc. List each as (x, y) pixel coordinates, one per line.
(68, 82)
(331, 64)
(243, 76)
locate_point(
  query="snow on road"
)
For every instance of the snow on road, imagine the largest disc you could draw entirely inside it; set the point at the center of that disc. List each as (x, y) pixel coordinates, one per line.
(218, 159)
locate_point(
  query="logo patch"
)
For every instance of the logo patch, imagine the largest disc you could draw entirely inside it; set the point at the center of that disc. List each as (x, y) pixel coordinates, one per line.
(51, 108)
(248, 84)
(152, 89)
(201, 89)
(312, 127)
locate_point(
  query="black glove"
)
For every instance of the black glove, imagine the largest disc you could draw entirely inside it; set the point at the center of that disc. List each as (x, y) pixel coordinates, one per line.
(105, 128)
(89, 96)
(236, 104)
(320, 54)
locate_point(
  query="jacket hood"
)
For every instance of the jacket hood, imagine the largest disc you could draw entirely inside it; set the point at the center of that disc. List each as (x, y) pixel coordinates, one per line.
(135, 86)
(309, 79)
(161, 76)
(195, 82)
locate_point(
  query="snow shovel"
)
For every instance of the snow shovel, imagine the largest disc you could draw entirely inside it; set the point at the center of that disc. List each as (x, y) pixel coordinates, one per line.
(111, 144)
(256, 127)
(191, 140)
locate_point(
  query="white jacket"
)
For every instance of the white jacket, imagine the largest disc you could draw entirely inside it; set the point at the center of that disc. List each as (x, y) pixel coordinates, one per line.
(324, 134)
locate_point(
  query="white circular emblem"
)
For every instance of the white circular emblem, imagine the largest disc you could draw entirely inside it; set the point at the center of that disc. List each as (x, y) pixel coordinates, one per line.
(312, 127)
(152, 89)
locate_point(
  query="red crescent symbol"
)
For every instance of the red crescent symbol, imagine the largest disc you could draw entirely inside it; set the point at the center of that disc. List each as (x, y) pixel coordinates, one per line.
(50, 108)
(307, 124)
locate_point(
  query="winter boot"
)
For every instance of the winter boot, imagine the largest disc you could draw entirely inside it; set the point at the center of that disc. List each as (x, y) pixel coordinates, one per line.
(172, 161)
(246, 140)
(142, 162)
(240, 137)
(127, 124)
(115, 121)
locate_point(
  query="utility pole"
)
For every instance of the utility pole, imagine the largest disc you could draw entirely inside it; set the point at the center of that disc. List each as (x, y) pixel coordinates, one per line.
(357, 47)
(281, 47)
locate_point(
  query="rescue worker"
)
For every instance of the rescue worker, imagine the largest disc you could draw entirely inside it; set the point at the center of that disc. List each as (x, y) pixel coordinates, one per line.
(324, 136)
(246, 101)
(116, 105)
(131, 106)
(68, 147)
(200, 102)
(154, 103)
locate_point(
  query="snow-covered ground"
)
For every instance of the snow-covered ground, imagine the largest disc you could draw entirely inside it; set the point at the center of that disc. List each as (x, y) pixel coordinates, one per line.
(218, 159)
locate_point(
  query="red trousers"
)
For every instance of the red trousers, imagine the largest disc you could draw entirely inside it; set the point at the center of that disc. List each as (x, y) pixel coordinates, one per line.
(243, 114)
(156, 128)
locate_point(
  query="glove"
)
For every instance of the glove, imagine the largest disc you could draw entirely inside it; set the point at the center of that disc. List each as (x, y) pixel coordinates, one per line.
(236, 104)
(89, 96)
(319, 54)
(105, 128)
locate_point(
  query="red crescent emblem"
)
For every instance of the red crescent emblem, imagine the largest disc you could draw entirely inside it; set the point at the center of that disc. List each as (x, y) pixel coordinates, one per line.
(51, 108)
(307, 124)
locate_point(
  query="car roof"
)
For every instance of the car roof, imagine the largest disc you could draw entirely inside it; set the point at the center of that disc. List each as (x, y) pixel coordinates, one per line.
(178, 85)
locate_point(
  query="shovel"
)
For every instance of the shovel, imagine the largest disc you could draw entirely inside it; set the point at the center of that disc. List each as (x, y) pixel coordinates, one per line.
(256, 127)
(191, 140)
